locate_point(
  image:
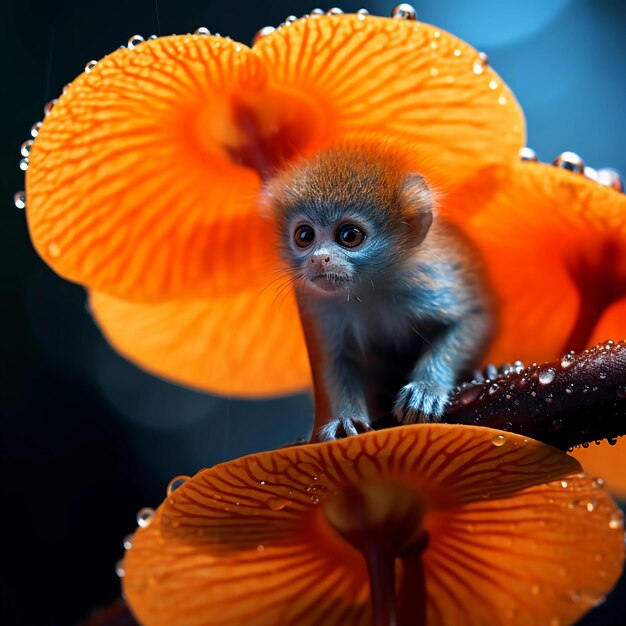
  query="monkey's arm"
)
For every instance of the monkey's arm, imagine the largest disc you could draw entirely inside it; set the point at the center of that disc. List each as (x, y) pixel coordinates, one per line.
(338, 396)
(464, 320)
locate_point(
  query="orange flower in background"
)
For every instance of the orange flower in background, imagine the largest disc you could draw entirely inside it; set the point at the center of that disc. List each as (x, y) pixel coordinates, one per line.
(143, 179)
(478, 527)
(143, 182)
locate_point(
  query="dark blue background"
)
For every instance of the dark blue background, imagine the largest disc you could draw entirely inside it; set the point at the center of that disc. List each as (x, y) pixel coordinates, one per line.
(87, 439)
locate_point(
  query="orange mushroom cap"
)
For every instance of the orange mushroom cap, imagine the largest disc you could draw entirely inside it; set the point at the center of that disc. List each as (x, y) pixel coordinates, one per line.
(509, 532)
(143, 179)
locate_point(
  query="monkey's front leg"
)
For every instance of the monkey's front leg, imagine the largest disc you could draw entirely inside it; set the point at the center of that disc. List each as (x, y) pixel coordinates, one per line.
(340, 409)
(425, 397)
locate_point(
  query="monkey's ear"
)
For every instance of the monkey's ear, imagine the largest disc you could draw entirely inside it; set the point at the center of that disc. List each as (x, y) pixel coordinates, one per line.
(417, 200)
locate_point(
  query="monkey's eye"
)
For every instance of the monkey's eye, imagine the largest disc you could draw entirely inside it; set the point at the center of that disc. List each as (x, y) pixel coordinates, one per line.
(304, 236)
(350, 236)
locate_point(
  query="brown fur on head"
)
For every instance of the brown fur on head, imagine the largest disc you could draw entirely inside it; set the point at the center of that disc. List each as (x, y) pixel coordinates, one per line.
(379, 181)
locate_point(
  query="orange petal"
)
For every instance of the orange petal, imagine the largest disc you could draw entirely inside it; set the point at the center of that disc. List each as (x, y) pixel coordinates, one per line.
(607, 462)
(248, 344)
(249, 542)
(132, 185)
(405, 81)
(554, 247)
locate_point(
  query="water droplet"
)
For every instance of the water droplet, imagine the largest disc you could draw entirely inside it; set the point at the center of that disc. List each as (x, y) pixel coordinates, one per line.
(176, 482)
(49, 106)
(498, 440)
(119, 568)
(34, 131)
(598, 483)
(547, 376)
(569, 389)
(334, 11)
(616, 521)
(24, 165)
(260, 548)
(266, 30)
(315, 12)
(134, 41)
(564, 484)
(493, 84)
(502, 100)
(25, 147)
(90, 65)
(144, 517)
(19, 199)
(261, 482)
(611, 441)
(277, 504)
(481, 63)
(362, 14)
(434, 71)
(493, 389)
(590, 506)
(128, 542)
(202, 31)
(567, 360)
(54, 250)
(404, 11)
(586, 444)
(457, 52)
(621, 392)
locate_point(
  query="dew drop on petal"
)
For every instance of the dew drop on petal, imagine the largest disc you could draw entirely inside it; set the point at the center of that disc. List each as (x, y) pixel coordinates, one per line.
(202, 31)
(616, 522)
(25, 147)
(128, 542)
(19, 199)
(567, 360)
(119, 569)
(90, 65)
(176, 482)
(24, 164)
(547, 376)
(277, 504)
(144, 517)
(34, 131)
(49, 106)
(260, 548)
(53, 250)
(493, 84)
(134, 41)
(498, 440)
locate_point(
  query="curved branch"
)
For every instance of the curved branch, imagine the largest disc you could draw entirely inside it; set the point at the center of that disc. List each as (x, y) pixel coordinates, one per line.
(566, 403)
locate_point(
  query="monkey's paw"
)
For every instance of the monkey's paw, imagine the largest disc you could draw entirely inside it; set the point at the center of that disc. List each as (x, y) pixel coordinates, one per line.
(420, 402)
(344, 427)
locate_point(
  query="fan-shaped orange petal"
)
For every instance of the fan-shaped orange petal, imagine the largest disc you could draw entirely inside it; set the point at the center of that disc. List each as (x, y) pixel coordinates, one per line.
(554, 247)
(248, 542)
(133, 185)
(401, 80)
(249, 344)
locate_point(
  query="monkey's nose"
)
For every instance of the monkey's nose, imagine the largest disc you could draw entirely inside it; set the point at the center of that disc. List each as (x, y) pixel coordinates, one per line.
(320, 260)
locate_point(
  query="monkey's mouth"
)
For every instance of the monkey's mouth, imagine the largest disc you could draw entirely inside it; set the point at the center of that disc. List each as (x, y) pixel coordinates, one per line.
(330, 281)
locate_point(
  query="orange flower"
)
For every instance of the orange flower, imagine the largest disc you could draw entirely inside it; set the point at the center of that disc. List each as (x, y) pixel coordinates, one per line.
(477, 526)
(143, 179)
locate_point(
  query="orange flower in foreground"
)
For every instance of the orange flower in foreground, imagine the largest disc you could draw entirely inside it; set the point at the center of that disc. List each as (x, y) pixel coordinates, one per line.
(477, 526)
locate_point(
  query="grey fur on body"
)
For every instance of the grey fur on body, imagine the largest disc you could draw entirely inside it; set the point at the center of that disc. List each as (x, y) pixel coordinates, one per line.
(392, 323)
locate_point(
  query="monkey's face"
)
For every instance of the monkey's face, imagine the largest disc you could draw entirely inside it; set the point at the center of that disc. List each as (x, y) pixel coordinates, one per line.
(335, 258)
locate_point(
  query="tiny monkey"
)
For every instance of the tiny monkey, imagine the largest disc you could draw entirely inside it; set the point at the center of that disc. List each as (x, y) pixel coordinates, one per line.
(390, 297)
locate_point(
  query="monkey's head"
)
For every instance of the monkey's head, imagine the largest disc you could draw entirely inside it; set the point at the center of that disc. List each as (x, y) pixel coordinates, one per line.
(349, 218)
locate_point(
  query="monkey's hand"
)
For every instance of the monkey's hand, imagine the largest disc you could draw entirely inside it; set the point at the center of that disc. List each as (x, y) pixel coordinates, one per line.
(420, 402)
(344, 426)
